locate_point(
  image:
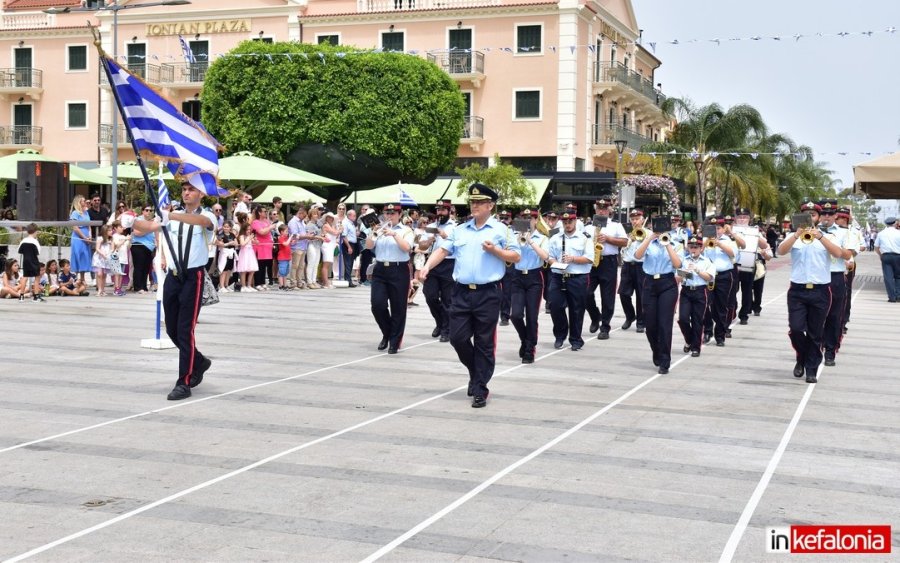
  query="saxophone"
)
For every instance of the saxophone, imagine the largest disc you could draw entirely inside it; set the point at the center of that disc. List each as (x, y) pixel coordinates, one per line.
(598, 247)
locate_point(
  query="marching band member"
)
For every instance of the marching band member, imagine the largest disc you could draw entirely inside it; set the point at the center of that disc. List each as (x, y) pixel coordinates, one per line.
(482, 246)
(506, 285)
(834, 320)
(660, 293)
(679, 235)
(438, 289)
(528, 287)
(612, 237)
(735, 280)
(720, 250)
(574, 254)
(754, 243)
(694, 294)
(632, 277)
(856, 244)
(551, 218)
(809, 296)
(392, 243)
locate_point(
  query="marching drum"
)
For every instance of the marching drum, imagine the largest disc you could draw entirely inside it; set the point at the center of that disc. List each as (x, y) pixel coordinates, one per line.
(747, 255)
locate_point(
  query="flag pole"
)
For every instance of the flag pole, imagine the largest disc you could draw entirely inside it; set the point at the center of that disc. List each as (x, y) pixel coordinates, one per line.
(161, 342)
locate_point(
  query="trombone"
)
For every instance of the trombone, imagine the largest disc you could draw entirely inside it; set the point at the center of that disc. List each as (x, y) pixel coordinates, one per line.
(639, 234)
(665, 239)
(710, 243)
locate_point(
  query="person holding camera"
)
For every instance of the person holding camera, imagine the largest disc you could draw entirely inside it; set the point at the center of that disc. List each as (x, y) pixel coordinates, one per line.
(659, 291)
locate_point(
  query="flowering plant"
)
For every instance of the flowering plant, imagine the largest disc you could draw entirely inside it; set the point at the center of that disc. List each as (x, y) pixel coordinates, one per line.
(656, 184)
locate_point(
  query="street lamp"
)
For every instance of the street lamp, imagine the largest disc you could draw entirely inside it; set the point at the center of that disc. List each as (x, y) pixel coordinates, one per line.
(701, 212)
(620, 148)
(114, 7)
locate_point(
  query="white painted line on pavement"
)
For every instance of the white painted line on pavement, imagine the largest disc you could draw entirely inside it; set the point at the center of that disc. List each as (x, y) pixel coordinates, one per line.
(738, 532)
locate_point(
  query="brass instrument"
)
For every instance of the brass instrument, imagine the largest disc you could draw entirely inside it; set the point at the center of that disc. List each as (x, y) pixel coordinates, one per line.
(808, 237)
(543, 227)
(598, 247)
(710, 243)
(665, 238)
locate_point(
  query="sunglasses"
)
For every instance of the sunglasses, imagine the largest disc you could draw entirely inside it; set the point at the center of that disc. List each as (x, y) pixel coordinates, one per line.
(390, 212)
(148, 209)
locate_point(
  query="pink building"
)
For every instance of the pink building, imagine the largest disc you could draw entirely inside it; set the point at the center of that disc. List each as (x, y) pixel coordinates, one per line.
(548, 85)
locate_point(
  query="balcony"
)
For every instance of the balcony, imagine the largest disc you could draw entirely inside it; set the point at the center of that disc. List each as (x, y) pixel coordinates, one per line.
(15, 137)
(183, 75)
(148, 72)
(369, 6)
(605, 136)
(463, 66)
(105, 135)
(473, 132)
(21, 82)
(625, 83)
(26, 21)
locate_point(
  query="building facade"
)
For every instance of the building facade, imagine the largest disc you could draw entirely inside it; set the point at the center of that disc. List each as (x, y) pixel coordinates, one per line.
(548, 86)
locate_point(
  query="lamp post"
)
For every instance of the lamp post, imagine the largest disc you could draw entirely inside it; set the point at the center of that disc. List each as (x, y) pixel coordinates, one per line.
(728, 165)
(114, 7)
(620, 148)
(701, 212)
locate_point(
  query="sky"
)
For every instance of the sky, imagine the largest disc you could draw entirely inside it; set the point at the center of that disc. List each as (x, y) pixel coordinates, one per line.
(834, 94)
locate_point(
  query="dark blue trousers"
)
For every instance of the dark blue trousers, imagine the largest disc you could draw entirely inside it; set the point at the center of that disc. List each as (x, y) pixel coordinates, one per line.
(807, 309)
(473, 332)
(659, 298)
(506, 299)
(438, 292)
(630, 282)
(691, 312)
(181, 303)
(834, 321)
(390, 288)
(604, 277)
(718, 306)
(527, 292)
(568, 292)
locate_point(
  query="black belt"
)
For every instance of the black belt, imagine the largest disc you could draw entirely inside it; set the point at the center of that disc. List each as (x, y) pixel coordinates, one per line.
(569, 275)
(660, 276)
(186, 271)
(890, 253)
(529, 271)
(808, 285)
(478, 286)
(694, 287)
(383, 263)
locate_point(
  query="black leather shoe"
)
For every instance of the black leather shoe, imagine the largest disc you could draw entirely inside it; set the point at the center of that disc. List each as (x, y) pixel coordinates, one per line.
(728, 334)
(655, 362)
(527, 359)
(576, 347)
(522, 350)
(436, 332)
(640, 328)
(479, 402)
(743, 321)
(179, 392)
(594, 328)
(707, 338)
(686, 349)
(663, 371)
(383, 344)
(720, 343)
(558, 344)
(504, 322)
(445, 338)
(844, 330)
(829, 362)
(798, 370)
(353, 285)
(695, 353)
(756, 313)
(604, 335)
(546, 309)
(811, 379)
(627, 324)
(197, 378)
(392, 350)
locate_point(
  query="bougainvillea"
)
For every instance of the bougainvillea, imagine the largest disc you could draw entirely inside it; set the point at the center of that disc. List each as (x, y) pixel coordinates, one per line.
(658, 185)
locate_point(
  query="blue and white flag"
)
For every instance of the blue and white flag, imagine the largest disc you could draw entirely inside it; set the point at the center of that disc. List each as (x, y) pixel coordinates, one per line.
(186, 49)
(162, 192)
(406, 200)
(161, 132)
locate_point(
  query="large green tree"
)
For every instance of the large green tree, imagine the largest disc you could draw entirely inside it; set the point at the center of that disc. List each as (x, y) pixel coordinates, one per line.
(506, 179)
(367, 118)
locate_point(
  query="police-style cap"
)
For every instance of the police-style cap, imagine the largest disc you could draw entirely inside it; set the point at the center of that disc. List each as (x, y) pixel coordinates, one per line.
(742, 211)
(528, 213)
(829, 206)
(569, 215)
(636, 213)
(444, 203)
(695, 241)
(728, 219)
(810, 206)
(504, 213)
(603, 203)
(571, 207)
(480, 192)
(393, 207)
(676, 214)
(717, 220)
(890, 221)
(843, 211)
(551, 214)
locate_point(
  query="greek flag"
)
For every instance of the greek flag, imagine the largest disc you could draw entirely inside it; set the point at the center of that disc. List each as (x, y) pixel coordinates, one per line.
(406, 200)
(160, 132)
(186, 49)
(162, 193)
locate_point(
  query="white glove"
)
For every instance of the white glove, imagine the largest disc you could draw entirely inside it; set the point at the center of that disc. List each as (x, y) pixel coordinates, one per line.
(164, 214)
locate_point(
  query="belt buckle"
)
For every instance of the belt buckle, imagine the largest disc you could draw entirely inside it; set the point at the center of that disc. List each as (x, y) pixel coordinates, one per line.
(809, 286)
(386, 264)
(524, 272)
(656, 276)
(472, 286)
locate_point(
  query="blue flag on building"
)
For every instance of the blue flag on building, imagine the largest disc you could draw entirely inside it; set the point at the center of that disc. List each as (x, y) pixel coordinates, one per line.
(186, 49)
(406, 200)
(160, 132)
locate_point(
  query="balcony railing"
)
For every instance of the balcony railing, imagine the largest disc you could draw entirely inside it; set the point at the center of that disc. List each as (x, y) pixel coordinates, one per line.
(609, 134)
(147, 71)
(365, 6)
(105, 134)
(21, 78)
(458, 62)
(473, 128)
(21, 135)
(183, 73)
(25, 21)
(617, 72)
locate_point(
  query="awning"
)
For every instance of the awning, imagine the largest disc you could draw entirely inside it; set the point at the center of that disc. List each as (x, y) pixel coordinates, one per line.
(424, 195)
(288, 194)
(539, 185)
(879, 178)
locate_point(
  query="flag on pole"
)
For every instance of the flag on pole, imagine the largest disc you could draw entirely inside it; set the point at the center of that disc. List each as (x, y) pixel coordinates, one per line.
(186, 49)
(406, 200)
(163, 133)
(162, 193)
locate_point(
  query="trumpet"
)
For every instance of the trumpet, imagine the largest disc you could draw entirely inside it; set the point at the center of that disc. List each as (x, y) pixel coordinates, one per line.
(808, 237)
(665, 238)
(639, 234)
(710, 243)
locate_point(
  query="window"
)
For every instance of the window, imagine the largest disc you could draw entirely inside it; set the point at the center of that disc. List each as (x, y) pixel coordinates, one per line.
(528, 104)
(528, 38)
(76, 115)
(263, 39)
(76, 57)
(330, 39)
(392, 41)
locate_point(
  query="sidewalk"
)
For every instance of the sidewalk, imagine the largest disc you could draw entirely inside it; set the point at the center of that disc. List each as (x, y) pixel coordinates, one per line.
(306, 444)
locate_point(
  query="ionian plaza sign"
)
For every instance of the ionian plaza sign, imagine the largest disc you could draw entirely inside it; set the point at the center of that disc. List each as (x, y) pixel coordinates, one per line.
(202, 27)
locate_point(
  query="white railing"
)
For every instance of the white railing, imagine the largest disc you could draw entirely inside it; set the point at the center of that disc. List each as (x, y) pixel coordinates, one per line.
(363, 6)
(25, 21)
